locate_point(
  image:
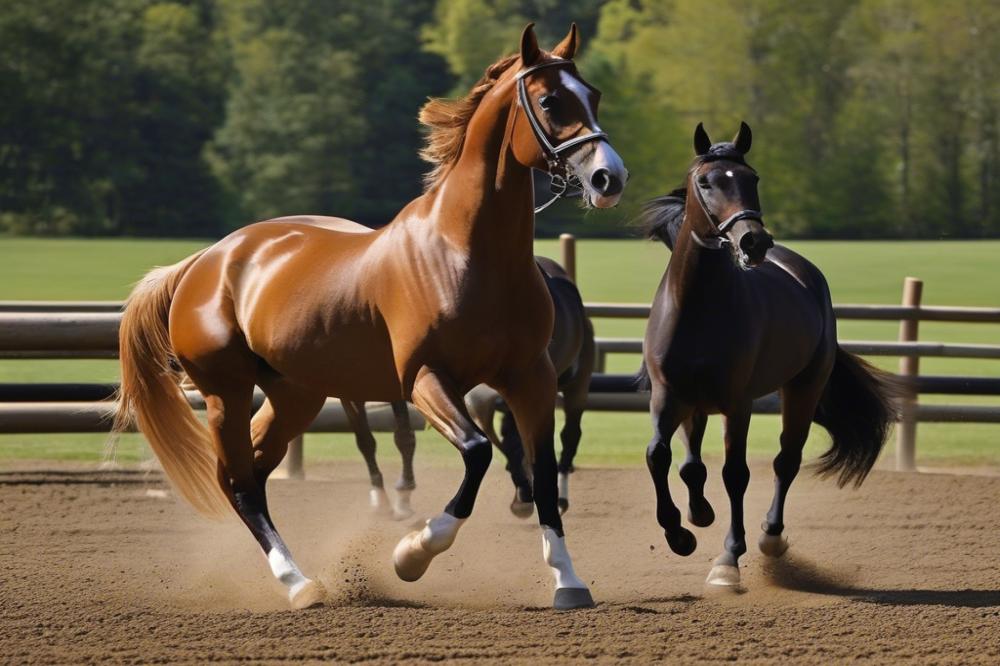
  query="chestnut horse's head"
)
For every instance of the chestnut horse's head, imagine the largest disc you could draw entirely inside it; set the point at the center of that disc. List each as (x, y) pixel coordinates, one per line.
(553, 124)
(725, 189)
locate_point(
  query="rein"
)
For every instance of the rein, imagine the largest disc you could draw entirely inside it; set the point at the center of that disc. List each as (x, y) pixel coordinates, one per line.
(563, 181)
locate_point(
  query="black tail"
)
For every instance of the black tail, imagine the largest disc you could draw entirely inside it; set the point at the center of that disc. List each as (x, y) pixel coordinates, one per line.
(858, 409)
(661, 218)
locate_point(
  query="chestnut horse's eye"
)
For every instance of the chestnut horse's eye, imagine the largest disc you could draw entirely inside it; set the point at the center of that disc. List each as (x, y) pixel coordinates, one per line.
(548, 103)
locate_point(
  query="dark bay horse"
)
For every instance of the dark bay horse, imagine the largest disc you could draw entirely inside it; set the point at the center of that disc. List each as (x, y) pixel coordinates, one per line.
(573, 354)
(445, 297)
(735, 318)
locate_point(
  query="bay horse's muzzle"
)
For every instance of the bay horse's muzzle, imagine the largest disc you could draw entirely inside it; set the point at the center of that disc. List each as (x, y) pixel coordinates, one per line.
(753, 241)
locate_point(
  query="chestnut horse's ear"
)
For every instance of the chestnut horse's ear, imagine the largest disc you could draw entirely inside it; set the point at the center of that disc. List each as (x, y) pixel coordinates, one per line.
(529, 46)
(743, 138)
(568, 46)
(701, 141)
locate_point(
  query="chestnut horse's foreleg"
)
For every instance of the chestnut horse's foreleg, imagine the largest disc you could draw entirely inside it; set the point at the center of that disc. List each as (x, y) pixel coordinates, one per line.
(443, 406)
(406, 443)
(797, 409)
(736, 478)
(666, 414)
(531, 398)
(693, 472)
(357, 417)
(228, 415)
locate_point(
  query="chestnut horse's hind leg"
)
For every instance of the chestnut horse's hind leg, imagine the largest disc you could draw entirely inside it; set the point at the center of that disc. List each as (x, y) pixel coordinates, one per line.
(358, 419)
(228, 414)
(406, 443)
(443, 406)
(693, 472)
(531, 398)
(666, 415)
(736, 477)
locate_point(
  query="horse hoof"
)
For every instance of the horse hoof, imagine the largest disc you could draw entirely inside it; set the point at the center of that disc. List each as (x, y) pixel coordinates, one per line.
(402, 513)
(772, 545)
(569, 598)
(410, 558)
(701, 514)
(522, 509)
(378, 500)
(309, 595)
(682, 542)
(563, 505)
(724, 575)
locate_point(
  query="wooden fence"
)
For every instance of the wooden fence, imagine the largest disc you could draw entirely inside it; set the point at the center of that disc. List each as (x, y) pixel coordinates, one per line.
(89, 330)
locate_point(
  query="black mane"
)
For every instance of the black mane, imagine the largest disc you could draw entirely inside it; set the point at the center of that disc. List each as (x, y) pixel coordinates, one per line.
(661, 218)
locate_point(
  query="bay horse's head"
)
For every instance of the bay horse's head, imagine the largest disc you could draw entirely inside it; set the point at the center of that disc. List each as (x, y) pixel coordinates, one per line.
(553, 123)
(723, 188)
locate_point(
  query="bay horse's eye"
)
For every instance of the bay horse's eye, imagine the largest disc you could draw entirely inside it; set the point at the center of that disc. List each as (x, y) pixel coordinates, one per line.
(549, 102)
(703, 182)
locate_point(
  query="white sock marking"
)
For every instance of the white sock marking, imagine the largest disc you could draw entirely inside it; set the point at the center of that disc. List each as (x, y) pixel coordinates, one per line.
(557, 557)
(286, 571)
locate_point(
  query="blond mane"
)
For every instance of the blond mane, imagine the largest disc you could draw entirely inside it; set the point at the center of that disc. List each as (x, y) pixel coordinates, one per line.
(446, 121)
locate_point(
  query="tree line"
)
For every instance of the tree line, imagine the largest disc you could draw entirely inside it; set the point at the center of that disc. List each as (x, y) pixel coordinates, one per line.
(871, 118)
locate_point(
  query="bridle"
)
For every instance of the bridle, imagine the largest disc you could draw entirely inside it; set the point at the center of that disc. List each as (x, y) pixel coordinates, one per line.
(719, 240)
(563, 179)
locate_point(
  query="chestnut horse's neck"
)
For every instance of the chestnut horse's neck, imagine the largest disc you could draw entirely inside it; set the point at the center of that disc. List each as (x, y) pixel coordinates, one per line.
(697, 264)
(487, 214)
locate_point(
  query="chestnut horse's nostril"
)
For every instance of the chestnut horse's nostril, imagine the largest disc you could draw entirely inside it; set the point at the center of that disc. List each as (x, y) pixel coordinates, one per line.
(605, 182)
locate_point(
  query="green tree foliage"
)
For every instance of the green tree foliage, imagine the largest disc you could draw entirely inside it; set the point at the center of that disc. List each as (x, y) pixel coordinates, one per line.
(871, 118)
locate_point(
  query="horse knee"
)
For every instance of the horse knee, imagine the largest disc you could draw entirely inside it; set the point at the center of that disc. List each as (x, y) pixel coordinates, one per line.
(658, 453)
(477, 452)
(787, 463)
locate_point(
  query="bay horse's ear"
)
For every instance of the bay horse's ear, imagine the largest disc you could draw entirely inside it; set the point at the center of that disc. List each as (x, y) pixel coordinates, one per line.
(743, 138)
(568, 46)
(701, 141)
(529, 46)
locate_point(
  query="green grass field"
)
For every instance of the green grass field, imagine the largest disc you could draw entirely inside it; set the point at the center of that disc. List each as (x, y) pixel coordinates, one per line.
(954, 273)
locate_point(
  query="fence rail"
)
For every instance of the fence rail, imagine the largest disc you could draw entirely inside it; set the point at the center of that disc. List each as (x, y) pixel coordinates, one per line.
(89, 330)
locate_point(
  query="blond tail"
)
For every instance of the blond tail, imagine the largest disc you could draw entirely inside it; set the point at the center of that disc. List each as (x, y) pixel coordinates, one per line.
(150, 393)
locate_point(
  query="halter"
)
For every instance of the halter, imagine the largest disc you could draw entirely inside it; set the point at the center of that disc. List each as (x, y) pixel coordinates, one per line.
(562, 177)
(719, 237)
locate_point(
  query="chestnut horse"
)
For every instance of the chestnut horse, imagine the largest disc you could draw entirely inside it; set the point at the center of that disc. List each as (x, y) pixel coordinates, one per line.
(445, 297)
(736, 317)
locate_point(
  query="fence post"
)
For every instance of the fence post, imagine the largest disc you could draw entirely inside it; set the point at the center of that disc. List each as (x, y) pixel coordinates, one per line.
(291, 467)
(909, 368)
(567, 248)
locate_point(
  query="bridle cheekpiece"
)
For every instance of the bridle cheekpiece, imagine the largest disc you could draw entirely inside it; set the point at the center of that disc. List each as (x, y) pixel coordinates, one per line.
(563, 180)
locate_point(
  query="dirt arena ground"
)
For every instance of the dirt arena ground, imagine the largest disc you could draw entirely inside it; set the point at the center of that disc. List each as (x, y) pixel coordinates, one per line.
(103, 567)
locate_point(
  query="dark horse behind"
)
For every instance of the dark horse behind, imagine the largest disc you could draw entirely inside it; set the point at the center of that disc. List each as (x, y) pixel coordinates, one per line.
(735, 318)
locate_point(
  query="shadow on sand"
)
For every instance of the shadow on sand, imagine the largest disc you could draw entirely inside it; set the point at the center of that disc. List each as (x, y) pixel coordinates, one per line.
(795, 573)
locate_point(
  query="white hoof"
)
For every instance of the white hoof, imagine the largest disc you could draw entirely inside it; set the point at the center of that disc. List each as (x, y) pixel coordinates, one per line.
(378, 500)
(772, 545)
(309, 594)
(414, 552)
(401, 509)
(724, 575)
